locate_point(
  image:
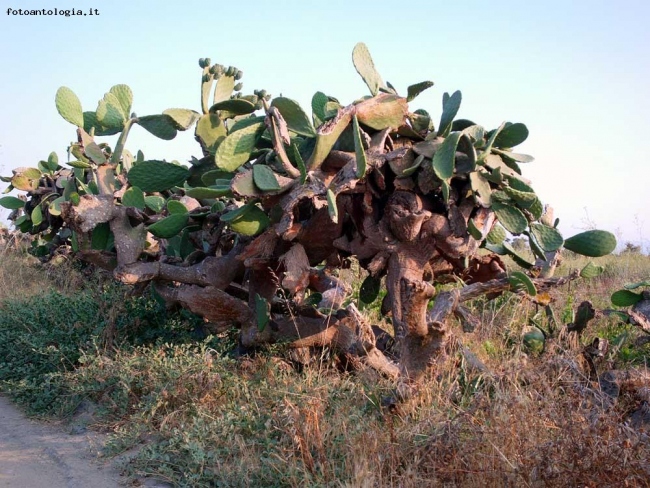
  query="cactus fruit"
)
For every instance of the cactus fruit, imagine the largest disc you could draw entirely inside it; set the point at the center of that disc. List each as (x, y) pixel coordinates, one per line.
(152, 176)
(593, 243)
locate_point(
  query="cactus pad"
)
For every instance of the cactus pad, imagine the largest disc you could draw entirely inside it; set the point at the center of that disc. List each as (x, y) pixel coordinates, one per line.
(236, 149)
(366, 68)
(593, 243)
(450, 107)
(161, 126)
(296, 119)
(69, 106)
(169, 226)
(152, 176)
(547, 237)
(133, 197)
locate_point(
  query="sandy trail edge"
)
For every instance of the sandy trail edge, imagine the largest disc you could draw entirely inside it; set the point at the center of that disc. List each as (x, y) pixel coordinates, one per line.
(35, 454)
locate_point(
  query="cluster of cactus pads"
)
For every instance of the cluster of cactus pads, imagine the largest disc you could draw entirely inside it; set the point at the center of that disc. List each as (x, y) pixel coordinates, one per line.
(250, 233)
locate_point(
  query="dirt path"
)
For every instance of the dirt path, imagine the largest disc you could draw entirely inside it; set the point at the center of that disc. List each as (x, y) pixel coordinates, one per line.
(35, 455)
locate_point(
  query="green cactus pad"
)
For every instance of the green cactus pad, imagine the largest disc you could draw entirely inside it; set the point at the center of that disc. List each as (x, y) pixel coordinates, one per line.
(450, 107)
(296, 119)
(492, 137)
(100, 236)
(182, 118)
(223, 89)
(634, 286)
(444, 160)
(481, 188)
(592, 243)
(625, 298)
(52, 162)
(233, 107)
(262, 310)
(210, 178)
(473, 230)
(512, 135)
(155, 203)
(210, 132)
(236, 149)
(124, 96)
(37, 216)
(251, 223)
(383, 111)
(264, 177)
(12, 203)
(318, 103)
(169, 226)
(547, 237)
(521, 281)
(95, 153)
(161, 126)
(591, 270)
(109, 112)
(510, 217)
(55, 206)
(294, 153)
(516, 257)
(414, 90)
(533, 340)
(152, 176)
(520, 158)
(496, 235)
(328, 134)
(369, 290)
(523, 199)
(175, 207)
(332, 208)
(366, 68)
(133, 197)
(69, 106)
(359, 151)
(216, 191)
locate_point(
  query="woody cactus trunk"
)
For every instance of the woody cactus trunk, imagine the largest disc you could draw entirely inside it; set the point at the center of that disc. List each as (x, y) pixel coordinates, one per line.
(251, 234)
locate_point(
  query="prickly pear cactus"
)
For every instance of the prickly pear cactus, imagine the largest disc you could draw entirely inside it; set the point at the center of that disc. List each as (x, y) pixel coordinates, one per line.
(278, 192)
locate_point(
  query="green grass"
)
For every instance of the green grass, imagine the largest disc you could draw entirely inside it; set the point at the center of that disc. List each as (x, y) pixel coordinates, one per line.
(200, 416)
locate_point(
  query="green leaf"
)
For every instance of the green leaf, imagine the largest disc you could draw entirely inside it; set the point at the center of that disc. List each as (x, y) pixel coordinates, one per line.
(521, 281)
(625, 298)
(12, 203)
(100, 235)
(450, 106)
(154, 176)
(444, 159)
(369, 290)
(236, 149)
(175, 207)
(124, 96)
(155, 203)
(261, 312)
(331, 206)
(296, 119)
(161, 126)
(414, 90)
(360, 153)
(265, 178)
(512, 135)
(55, 206)
(182, 118)
(169, 226)
(366, 68)
(69, 106)
(133, 197)
(52, 161)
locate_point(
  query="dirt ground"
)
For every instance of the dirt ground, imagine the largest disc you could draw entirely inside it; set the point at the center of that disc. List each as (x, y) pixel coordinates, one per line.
(35, 454)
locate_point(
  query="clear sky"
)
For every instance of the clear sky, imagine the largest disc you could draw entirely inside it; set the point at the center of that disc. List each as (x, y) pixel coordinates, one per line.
(575, 72)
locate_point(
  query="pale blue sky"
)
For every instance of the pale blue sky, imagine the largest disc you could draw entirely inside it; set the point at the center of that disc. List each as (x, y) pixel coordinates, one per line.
(575, 72)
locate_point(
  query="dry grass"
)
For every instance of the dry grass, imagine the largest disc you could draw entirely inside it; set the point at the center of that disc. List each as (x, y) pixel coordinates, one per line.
(205, 418)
